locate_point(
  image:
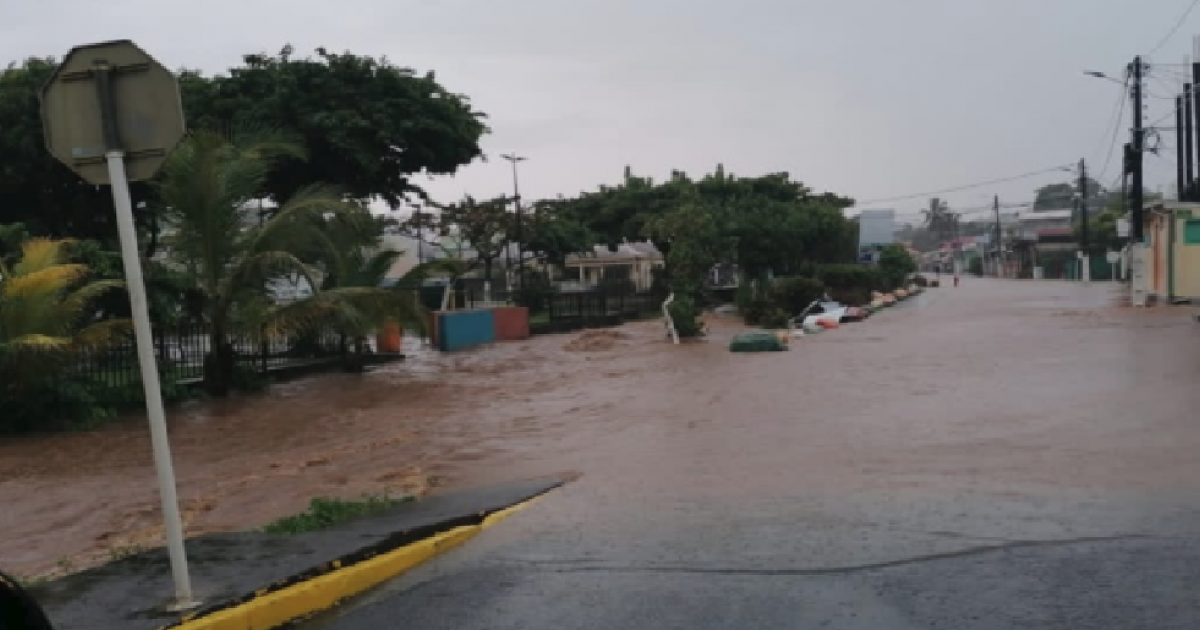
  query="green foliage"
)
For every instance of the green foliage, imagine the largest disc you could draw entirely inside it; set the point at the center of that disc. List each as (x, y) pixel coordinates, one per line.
(852, 276)
(685, 313)
(793, 295)
(921, 281)
(207, 184)
(699, 239)
(484, 227)
(248, 379)
(50, 404)
(368, 125)
(975, 266)
(323, 513)
(35, 189)
(895, 265)
(535, 292)
(773, 224)
(551, 231)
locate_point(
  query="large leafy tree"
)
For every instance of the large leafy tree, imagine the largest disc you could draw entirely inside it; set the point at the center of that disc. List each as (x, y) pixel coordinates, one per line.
(481, 227)
(207, 185)
(35, 189)
(368, 125)
(700, 237)
(553, 230)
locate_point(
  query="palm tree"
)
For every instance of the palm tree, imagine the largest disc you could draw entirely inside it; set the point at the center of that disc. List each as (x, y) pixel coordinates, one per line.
(352, 299)
(43, 301)
(940, 221)
(232, 254)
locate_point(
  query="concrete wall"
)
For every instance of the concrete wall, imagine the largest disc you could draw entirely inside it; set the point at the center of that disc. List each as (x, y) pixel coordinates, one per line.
(459, 330)
(1187, 260)
(512, 323)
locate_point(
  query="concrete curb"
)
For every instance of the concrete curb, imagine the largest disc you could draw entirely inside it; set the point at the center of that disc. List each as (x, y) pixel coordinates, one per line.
(321, 590)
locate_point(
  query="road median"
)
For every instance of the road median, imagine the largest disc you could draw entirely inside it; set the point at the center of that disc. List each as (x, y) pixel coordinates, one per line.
(258, 581)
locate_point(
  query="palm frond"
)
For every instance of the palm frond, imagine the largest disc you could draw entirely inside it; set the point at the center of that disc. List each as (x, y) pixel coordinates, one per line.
(103, 333)
(37, 344)
(40, 253)
(42, 281)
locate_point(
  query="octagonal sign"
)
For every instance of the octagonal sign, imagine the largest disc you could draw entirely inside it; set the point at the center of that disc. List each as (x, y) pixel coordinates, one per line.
(147, 109)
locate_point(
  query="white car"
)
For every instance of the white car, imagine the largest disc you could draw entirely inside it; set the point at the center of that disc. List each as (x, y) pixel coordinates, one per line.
(828, 309)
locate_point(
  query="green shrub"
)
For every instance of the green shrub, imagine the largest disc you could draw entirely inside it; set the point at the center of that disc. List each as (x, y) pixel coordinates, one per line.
(895, 265)
(851, 296)
(757, 310)
(975, 267)
(323, 513)
(793, 295)
(852, 276)
(52, 404)
(775, 317)
(920, 280)
(686, 316)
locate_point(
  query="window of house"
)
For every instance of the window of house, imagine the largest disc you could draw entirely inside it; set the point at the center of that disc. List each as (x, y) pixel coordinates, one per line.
(1191, 232)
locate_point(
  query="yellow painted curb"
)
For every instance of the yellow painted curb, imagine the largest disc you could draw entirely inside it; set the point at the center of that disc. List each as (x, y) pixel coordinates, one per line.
(323, 592)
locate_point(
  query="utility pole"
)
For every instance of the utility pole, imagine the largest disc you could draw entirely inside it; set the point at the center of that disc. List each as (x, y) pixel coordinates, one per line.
(1137, 188)
(1180, 152)
(515, 159)
(1193, 123)
(1189, 104)
(999, 238)
(1084, 240)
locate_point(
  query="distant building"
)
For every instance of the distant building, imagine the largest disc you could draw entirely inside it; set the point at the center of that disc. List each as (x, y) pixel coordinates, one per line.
(876, 228)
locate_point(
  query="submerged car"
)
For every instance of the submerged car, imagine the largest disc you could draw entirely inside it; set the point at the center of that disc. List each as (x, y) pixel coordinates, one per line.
(828, 309)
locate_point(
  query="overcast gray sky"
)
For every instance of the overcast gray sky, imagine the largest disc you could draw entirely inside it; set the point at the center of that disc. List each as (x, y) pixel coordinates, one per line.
(866, 98)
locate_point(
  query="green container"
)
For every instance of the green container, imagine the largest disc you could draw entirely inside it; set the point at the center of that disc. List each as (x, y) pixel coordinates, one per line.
(757, 341)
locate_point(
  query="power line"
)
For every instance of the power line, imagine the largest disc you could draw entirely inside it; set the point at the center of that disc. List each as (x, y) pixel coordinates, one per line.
(1174, 29)
(967, 186)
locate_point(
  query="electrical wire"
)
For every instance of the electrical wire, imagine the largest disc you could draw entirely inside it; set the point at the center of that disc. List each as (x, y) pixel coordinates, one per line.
(967, 186)
(1174, 29)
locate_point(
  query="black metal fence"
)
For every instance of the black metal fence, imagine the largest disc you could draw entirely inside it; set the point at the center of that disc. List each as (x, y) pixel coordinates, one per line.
(181, 350)
(562, 311)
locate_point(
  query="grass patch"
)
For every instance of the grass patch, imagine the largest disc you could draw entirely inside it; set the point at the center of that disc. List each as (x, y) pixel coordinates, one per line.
(539, 318)
(323, 513)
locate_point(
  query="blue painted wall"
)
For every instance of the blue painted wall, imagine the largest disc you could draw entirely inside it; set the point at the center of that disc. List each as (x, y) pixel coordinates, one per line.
(459, 330)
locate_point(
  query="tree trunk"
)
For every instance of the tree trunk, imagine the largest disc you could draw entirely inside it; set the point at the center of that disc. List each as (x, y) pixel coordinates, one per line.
(218, 364)
(352, 361)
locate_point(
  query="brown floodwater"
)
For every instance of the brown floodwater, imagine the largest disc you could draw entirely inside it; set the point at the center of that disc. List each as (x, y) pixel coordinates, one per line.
(1015, 385)
(76, 499)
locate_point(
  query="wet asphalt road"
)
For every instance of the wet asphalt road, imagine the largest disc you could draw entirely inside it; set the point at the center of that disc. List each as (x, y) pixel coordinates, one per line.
(1001, 455)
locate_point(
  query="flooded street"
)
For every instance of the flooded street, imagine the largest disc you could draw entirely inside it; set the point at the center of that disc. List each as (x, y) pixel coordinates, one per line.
(995, 411)
(1000, 455)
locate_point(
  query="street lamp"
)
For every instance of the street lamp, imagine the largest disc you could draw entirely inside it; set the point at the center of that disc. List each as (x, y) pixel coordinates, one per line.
(514, 159)
(420, 230)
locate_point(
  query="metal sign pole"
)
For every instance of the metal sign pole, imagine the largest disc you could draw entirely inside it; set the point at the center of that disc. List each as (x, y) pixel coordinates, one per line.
(130, 256)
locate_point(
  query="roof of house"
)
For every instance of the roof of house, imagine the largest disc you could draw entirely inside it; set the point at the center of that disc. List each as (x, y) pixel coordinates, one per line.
(1047, 215)
(625, 251)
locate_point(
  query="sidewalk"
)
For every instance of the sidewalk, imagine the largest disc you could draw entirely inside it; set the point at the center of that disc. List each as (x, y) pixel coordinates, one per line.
(245, 569)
